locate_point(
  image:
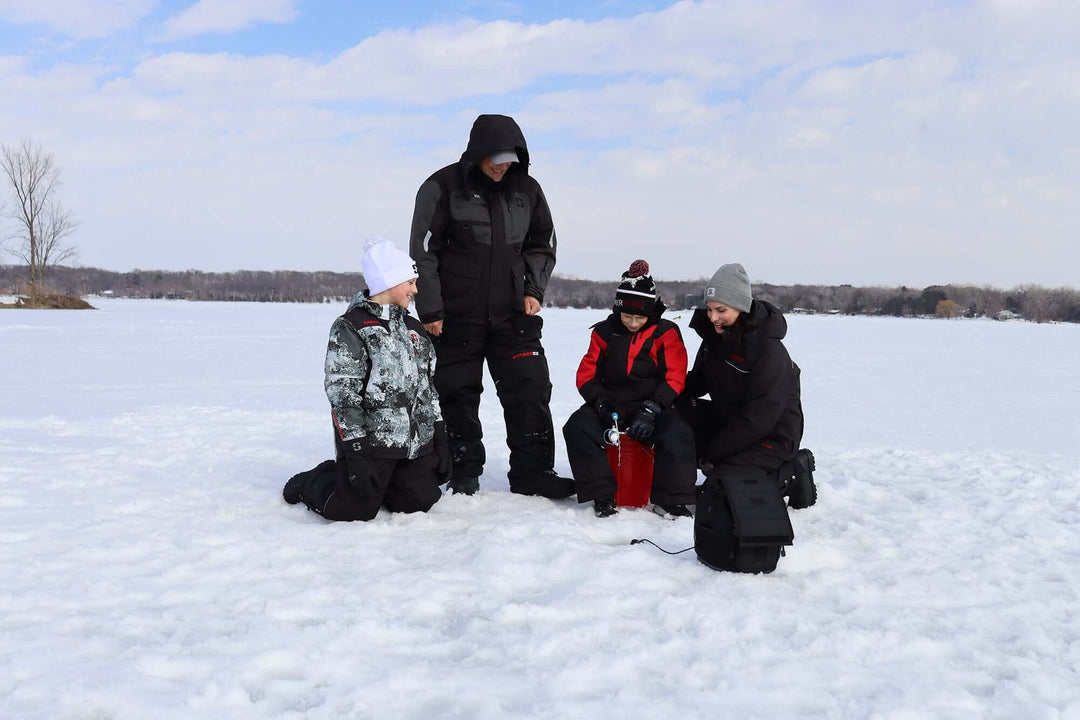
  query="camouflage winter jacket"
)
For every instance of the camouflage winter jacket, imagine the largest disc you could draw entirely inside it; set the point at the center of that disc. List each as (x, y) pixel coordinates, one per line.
(379, 369)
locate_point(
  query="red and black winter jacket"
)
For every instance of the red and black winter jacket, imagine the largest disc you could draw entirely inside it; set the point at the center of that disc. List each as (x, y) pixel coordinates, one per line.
(630, 368)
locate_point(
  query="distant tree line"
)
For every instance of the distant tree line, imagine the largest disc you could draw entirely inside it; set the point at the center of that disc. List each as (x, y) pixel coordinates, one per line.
(1031, 302)
(242, 285)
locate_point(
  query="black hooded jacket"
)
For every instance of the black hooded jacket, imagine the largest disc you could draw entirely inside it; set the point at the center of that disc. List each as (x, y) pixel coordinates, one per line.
(753, 383)
(481, 246)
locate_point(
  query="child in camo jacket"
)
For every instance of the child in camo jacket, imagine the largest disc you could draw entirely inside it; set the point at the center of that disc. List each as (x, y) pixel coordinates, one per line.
(391, 446)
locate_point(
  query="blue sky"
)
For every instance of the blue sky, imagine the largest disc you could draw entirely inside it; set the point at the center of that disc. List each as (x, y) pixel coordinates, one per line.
(871, 143)
(307, 28)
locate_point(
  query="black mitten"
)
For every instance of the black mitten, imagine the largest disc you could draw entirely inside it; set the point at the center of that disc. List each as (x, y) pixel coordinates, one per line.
(442, 452)
(641, 429)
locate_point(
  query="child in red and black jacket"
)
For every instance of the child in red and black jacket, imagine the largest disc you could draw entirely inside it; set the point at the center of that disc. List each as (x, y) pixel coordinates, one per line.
(636, 367)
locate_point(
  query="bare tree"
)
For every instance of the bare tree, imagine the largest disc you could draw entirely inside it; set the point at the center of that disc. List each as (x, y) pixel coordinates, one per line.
(41, 223)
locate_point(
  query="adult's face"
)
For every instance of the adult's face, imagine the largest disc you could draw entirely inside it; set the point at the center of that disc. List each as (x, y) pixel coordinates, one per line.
(493, 171)
(720, 315)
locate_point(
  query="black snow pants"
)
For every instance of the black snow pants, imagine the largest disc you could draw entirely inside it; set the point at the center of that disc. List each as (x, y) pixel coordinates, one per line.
(701, 416)
(674, 467)
(399, 485)
(519, 368)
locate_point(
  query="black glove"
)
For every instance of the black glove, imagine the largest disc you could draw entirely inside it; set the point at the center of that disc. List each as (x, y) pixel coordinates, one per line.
(641, 429)
(357, 469)
(442, 452)
(605, 406)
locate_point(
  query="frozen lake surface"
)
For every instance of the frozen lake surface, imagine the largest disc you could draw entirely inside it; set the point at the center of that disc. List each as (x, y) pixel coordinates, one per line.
(150, 569)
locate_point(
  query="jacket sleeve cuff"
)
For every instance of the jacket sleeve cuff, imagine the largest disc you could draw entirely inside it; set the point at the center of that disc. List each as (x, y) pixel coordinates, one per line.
(664, 396)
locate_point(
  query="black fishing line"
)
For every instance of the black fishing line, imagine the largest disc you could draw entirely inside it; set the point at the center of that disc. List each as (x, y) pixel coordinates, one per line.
(635, 541)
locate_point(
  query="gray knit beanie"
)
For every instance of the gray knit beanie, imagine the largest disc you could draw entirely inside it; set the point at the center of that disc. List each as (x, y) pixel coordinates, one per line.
(731, 286)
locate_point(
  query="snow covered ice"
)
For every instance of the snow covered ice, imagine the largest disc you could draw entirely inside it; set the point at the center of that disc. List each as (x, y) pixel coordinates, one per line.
(150, 569)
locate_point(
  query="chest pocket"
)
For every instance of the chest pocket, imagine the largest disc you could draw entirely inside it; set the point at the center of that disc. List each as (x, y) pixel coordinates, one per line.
(470, 220)
(518, 217)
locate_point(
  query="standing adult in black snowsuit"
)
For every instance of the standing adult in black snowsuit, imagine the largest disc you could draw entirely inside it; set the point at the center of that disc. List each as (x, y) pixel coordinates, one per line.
(754, 418)
(484, 245)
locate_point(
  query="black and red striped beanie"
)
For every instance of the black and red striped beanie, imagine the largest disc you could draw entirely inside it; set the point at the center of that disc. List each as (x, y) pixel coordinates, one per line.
(636, 294)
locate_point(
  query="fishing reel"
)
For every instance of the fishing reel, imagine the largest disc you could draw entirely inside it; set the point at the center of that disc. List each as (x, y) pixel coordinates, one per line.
(612, 434)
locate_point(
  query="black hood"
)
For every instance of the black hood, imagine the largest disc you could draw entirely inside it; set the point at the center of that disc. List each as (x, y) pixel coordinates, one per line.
(769, 319)
(491, 133)
(763, 316)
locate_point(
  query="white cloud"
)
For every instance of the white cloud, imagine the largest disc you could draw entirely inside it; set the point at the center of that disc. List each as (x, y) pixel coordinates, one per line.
(888, 144)
(11, 64)
(78, 18)
(440, 63)
(226, 16)
(643, 112)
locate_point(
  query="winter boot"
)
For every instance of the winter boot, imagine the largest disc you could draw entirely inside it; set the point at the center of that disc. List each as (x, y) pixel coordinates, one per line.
(605, 506)
(464, 485)
(556, 487)
(803, 491)
(293, 492)
(672, 511)
(546, 484)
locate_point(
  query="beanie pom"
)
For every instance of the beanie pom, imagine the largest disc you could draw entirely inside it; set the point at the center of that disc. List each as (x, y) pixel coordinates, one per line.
(638, 268)
(636, 294)
(371, 241)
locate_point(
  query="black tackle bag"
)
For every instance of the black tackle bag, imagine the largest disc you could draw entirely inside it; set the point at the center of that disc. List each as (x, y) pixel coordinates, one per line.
(742, 522)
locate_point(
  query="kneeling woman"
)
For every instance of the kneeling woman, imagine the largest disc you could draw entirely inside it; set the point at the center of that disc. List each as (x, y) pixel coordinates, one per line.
(755, 415)
(635, 366)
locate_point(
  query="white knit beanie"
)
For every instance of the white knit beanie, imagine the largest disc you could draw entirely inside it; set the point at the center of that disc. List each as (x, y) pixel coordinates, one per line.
(731, 286)
(384, 265)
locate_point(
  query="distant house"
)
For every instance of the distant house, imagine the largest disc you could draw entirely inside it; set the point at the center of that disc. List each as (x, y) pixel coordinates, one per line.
(1008, 315)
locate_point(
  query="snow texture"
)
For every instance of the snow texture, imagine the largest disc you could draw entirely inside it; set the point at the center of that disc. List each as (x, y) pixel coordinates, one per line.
(150, 569)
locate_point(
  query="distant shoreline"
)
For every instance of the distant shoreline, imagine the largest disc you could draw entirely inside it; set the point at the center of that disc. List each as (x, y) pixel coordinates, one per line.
(1031, 302)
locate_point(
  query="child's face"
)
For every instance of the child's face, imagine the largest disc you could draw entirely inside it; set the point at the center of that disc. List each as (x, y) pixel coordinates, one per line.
(402, 293)
(633, 323)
